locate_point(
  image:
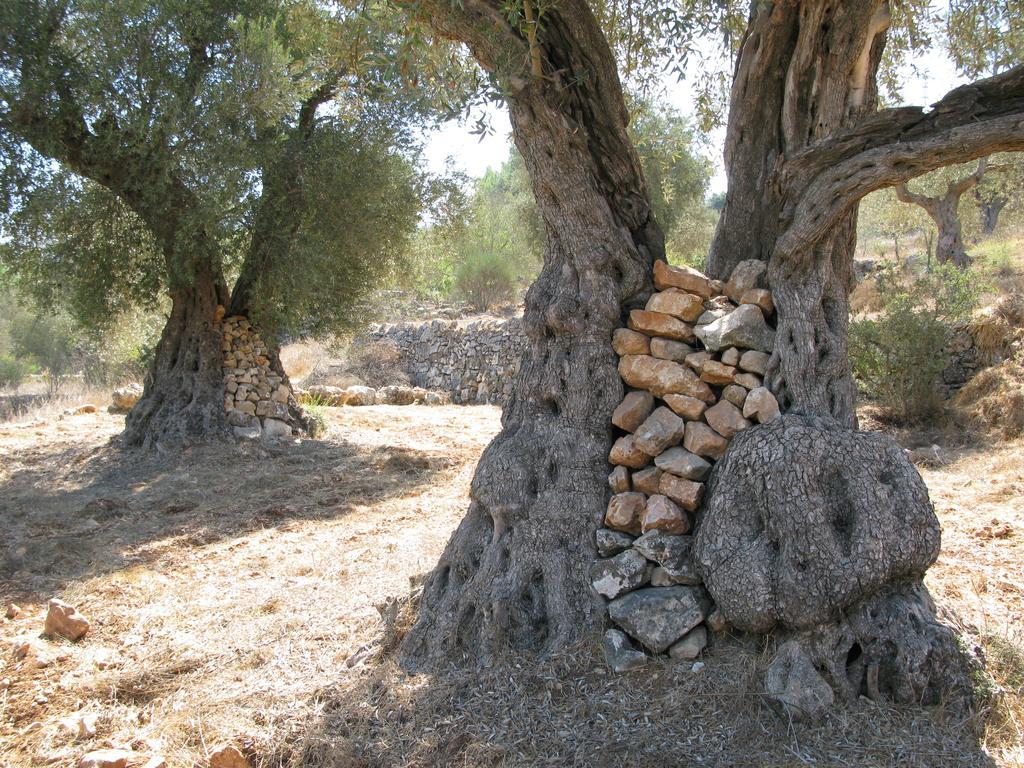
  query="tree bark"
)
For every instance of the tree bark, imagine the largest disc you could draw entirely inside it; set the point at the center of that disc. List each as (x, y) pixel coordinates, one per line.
(805, 70)
(945, 212)
(514, 575)
(990, 210)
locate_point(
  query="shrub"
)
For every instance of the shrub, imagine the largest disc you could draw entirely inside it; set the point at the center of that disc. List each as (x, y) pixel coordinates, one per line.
(317, 423)
(484, 280)
(12, 372)
(899, 355)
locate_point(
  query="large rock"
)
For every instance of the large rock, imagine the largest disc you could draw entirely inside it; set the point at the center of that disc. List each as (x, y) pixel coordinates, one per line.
(743, 327)
(754, 361)
(704, 441)
(685, 493)
(746, 275)
(691, 645)
(685, 306)
(396, 395)
(726, 419)
(682, 463)
(795, 684)
(646, 480)
(611, 543)
(623, 572)
(124, 398)
(323, 394)
(660, 324)
(663, 377)
(273, 429)
(631, 412)
(624, 453)
(667, 349)
(807, 518)
(627, 342)
(658, 616)
(663, 514)
(618, 480)
(357, 395)
(626, 512)
(690, 408)
(761, 405)
(686, 278)
(661, 430)
(64, 620)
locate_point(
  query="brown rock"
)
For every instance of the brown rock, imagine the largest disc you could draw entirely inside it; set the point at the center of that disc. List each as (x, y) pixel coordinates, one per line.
(120, 758)
(761, 405)
(626, 512)
(735, 394)
(696, 360)
(704, 441)
(660, 324)
(715, 372)
(690, 408)
(627, 342)
(683, 492)
(663, 377)
(647, 480)
(755, 361)
(745, 275)
(685, 306)
(618, 480)
(13, 611)
(625, 453)
(664, 515)
(631, 412)
(87, 408)
(748, 380)
(65, 620)
(661, 430)
(687, 278)
(762, 297)
(227, 756)
(726, 419)
(716, 621)
(667, 349)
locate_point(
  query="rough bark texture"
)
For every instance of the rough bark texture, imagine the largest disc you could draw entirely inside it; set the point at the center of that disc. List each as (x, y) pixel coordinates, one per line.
(183, 397)
(989, 211)
(823, 535)
(514, 575)
(805, 71)
(945, 212)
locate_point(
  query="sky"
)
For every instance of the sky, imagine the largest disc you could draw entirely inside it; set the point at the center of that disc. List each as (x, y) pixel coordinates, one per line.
(926, 78)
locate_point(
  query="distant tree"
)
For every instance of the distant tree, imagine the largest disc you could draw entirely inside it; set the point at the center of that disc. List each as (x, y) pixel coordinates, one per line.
(196, 142)
(50, 341)
(882, 215)
(1000, 187)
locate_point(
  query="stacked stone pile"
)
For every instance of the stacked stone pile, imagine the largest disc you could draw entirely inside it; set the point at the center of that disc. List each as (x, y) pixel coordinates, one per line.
(324, 394)
(693, 361)
(473, 362)
(256, 397)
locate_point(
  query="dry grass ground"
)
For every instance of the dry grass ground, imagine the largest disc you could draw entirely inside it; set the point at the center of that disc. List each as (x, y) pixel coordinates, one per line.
(232, 595)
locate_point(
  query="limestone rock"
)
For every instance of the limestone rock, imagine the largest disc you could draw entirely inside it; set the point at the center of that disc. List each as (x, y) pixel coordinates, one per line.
(686, 278)
(690, 408)
(396, 395)
(660, 324)
(760, 297)
(631, 412)
(735, 394)
(667, 349)
(80, 725)
(619, 652)
(227, 756)
(251, 432)
(748, 380)
(274, 429)
(120, 758)
(743, 327)
(626, 511)
(658, 616)
(627, 342)
(697, 360)
(323, 394)
(623, 572)
(64, 620)
(87, 408)
(704, 441)
(13, 611)
(663, 514)
(625, 453)
(745, 275)
(611, 543)
(809, 518)
(360, 395)
(683, 492)
(731, 356)
(682, 463)
(685, 306)
(714, 372)
(647, 480)
(663, 377)
(726, 419)
(795, 684)
(754, 361)
(661, 430)
(618, 480)
(690, 647)
(761, 405)
(124, 398)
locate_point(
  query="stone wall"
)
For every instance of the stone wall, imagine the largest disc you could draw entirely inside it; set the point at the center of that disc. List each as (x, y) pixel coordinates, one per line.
(473, 361)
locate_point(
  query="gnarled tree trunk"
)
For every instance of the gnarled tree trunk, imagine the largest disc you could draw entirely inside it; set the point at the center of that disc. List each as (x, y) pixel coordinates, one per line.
(514, 575)
(805, 70)
(989, 211)
(183, 398)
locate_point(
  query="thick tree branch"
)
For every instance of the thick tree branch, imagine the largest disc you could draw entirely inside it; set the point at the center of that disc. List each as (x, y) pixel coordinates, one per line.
(904, 195)
(826, 181)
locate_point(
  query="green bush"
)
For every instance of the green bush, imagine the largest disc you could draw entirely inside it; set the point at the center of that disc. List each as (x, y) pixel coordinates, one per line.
(898, 356)
(316, 420)
(485, 279)
(12, 372)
